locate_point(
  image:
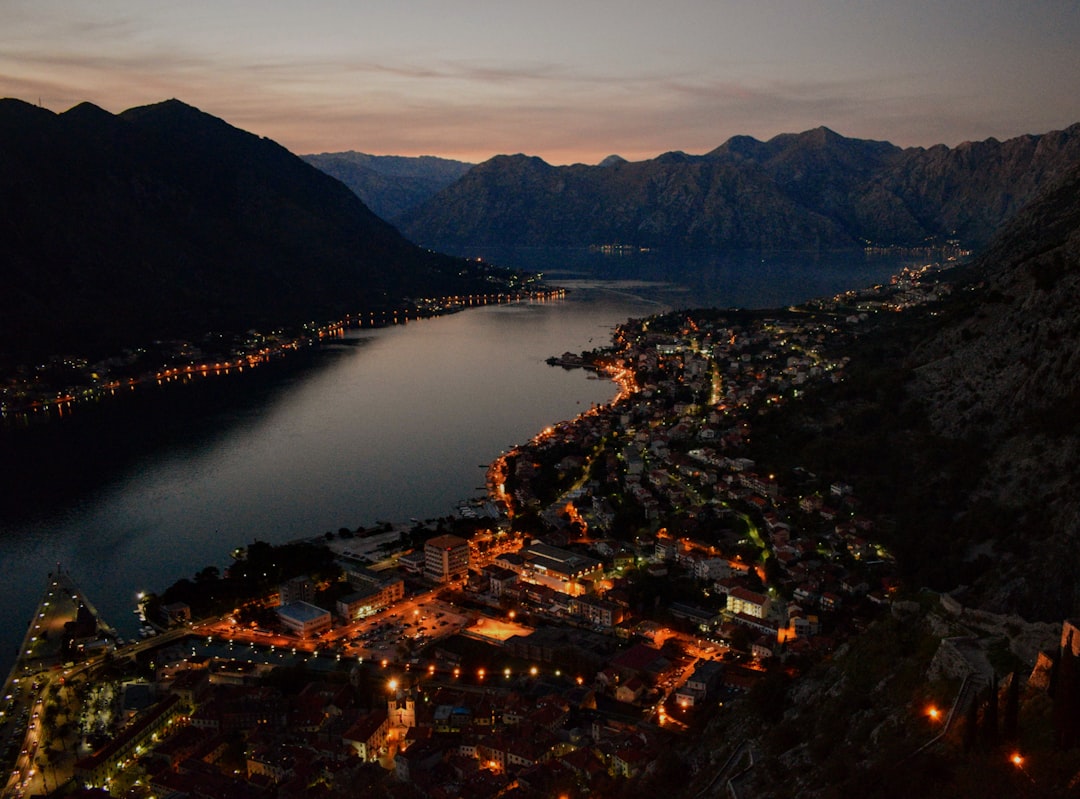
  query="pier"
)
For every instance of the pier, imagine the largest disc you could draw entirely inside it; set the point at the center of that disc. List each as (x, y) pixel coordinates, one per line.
(42, 645)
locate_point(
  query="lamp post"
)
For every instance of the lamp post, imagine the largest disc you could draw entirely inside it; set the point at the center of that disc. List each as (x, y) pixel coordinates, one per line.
(1018, 760)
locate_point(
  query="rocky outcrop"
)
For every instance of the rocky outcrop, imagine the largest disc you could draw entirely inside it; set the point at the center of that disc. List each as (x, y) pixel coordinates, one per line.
(1004, 373)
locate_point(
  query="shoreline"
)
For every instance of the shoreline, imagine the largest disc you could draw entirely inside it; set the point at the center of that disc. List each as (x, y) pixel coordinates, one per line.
(23, 402)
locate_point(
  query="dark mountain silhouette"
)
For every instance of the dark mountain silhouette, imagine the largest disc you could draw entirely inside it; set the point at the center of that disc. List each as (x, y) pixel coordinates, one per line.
(390, 185)
(164, 221)
(673, 201)
(810, 190)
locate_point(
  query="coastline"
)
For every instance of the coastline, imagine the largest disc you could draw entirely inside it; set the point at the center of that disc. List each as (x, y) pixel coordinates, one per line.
(24, 400)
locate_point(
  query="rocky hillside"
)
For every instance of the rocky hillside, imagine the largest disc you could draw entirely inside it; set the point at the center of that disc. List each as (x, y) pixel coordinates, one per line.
(960, 422)
(1005, 372)
(960, 425)
(796, 191)
(164, 222)
(858, 722)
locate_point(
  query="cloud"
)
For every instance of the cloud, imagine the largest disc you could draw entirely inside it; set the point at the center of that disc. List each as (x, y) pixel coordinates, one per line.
(473, 107)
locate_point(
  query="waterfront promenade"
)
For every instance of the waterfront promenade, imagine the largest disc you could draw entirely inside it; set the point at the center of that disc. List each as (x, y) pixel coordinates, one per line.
(40, 655)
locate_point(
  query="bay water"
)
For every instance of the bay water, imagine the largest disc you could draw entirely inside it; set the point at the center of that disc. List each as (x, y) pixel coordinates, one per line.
(386, 424)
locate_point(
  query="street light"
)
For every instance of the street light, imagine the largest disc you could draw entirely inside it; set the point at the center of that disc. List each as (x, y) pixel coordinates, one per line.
(1018, 760)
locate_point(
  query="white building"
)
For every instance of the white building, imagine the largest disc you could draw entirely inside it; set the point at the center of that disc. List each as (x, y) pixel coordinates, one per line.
(304, 619)
(446, 558)
(742, 600)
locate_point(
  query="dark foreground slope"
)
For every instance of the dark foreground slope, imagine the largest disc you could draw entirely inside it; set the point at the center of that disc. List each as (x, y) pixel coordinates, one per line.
(961, 423)
(1005, 374)
(164, 221)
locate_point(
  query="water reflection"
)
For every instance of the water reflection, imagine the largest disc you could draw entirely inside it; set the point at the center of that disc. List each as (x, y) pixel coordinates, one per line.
(389, 424)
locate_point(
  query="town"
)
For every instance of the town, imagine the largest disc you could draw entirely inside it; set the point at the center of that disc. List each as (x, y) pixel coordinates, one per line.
(59, 385)
(630, 574)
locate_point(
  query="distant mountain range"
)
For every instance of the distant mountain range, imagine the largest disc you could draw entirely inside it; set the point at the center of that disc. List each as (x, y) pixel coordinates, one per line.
(390, 185)
(164, 221)
(811, 190)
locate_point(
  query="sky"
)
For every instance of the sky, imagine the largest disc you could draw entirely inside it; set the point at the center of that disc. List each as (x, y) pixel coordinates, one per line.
(567, 80)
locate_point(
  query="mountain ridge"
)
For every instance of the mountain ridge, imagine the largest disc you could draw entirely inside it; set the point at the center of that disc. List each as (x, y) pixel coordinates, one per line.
(390, 184)
(165, 222)
(811, 190)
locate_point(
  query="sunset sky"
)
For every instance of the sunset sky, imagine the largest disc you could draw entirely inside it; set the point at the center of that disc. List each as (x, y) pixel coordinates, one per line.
(565, 80)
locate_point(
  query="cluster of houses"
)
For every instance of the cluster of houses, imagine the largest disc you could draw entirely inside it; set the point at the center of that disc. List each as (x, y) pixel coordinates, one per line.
(218, 728)
(773, 568)
(673, 444)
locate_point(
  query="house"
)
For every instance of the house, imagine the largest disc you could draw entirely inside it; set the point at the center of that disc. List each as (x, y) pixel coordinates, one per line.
(702, 619)
(763, 647)
(640, 661)
(630, 691)
(369, 734)
(712, 569)
(751, 603)
(804, 625)
(304, 619)
(600, 612)
(499, 579)
(418, 760)
(702, 682)
(706, 676)
(413, 562)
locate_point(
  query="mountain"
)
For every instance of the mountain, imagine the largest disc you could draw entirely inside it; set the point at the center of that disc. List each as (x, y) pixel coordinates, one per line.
(164, 221)
(810, 190)
(1004, 374)
(675, 200)
(960, 422)
(390, 185)
(612, 160)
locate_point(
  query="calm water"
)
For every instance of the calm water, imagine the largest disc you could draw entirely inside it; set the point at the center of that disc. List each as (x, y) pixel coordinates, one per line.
(388, 425)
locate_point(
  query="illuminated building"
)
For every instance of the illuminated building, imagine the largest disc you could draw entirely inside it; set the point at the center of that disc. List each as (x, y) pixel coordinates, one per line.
(374, 591)
(369, 734)
(304, 619)
(742, 600)
(446, 558)
(370, 599)
(555, 568)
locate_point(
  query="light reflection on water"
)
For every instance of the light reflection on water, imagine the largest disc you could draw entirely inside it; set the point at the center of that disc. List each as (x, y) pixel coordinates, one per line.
(389, 425)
